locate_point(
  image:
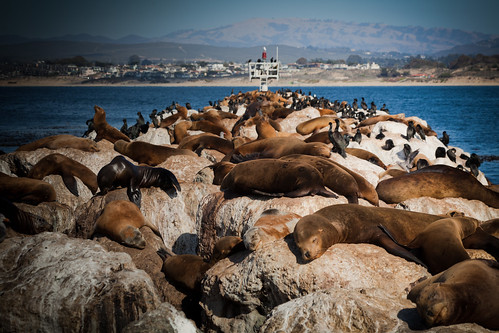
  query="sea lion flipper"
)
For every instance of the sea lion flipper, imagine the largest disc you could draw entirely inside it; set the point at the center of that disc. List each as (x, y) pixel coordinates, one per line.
(392, 247)
(484, 241)
(70, 182)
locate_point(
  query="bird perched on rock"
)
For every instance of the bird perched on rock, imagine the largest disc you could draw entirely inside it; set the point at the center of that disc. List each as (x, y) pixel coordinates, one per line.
(357, 137)
(380, 136)
(451, 154)
(444, 138)
(388, 145)
(338, 140)
(154, 120)
(411, 130)
(420, 132)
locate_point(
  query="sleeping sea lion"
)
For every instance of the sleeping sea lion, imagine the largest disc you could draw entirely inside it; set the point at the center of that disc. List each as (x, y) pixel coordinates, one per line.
(61, 141)
(28, 190)
(68, 169)
(148, 153)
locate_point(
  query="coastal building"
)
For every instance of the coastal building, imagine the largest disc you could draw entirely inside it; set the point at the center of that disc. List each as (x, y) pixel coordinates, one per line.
(264, 70)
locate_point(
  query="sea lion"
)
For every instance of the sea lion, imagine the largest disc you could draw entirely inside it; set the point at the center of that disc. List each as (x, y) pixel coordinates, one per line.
(271, 225)
(180, 131)
(448, 233)
(181, 114)
(225, 247)
(220, 170)
(28, 190)
(335, 177)
(121, 221)
(104, 130)
(392, 229)
(465, 293)
(148, 153)
(120, 172)
(314, 125)
(436, 181)
(276, 148)
(276, 178)
(366, 155)
(209, 127)
(197, 143)
(61, 141)
(21, 221)
(68, 169)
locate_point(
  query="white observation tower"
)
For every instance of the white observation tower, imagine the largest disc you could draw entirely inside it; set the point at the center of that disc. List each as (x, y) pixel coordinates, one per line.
(264, 69)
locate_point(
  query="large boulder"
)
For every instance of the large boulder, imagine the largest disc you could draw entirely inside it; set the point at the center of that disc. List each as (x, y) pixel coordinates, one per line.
(241, 290)
(52, 283)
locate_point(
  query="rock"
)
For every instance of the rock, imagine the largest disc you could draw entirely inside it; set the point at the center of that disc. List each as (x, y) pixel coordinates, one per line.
(59, 216)
(52, 283)
(261, 280)
(339, 310)
(163, 319)
(289, 123)
(156, 136)
(366, 169)
(64, 196)
(185, 168)
(220, 217)
(471, 208)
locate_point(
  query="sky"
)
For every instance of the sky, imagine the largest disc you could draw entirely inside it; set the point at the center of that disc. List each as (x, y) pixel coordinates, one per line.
(156, 18)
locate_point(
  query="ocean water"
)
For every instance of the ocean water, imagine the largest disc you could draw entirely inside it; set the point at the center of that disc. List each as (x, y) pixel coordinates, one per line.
(470, 115)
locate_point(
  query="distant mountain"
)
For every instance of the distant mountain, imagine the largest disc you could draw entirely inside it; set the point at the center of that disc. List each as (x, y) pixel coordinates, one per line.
(327, 34)
(485, 47)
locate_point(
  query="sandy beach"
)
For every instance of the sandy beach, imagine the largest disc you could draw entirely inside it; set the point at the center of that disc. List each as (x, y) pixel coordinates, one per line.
(305, 79)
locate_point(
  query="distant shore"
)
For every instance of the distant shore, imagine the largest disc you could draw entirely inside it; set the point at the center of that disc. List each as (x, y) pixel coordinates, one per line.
(245, 82)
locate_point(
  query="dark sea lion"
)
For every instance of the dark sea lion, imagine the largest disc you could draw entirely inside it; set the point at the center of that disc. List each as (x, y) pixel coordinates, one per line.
(276, 148)
(392, 229)
(366, 155)
(28, 190)
(120, 172)
(197, 143)
(436, 181)
(335, 177)
(61, 141)
(275, 177)
(68, 169)
(121, 221)
(465, 293)
(104, 130)
(148, 153)
(21, 221)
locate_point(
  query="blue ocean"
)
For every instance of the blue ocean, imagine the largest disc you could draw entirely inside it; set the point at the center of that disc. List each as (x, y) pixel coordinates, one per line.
(469, 114)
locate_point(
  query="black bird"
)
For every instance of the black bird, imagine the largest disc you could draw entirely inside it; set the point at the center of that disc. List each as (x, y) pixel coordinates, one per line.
(409, 157)
(354, 104)
(445, 138)
(422, 163)
(411, 130)
(357, 137)
(473, 160)
(440, 152)
(388, 145)
(338, 140)
(90, 127)
(124, 128)
(363, 104)
(420, 131)
(154, 119)
(407, 150)
(384, 108)
(188, 106)
(451, 154)
(380, 136)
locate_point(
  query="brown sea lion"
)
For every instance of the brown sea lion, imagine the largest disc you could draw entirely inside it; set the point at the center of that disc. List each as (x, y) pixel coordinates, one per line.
(220, 170)
(392, 229)
(448, 233)
(271, 225)
(314, 125)
(121, 221)
(61, 141)
(275, 177)
(197, 143)
(276, 148)
(181, 114)
(225, 247)
(436, 181)
(120, 172)
(104, 130)
(335, 177)
(319, 137)
(209, 127)
(28, 190)
(366, 155)
(68, 169)
(465, 293)
(180, 131)
(148, 153)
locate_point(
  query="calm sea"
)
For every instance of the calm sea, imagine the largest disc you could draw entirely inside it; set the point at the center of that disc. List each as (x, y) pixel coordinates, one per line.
(470, 115)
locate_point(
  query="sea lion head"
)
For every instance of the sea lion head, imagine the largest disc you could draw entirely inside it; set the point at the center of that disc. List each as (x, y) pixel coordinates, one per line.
(225, 247)
(313, 234)
(120, 146)
(132, 236)
(169, 181)
(253, 238)
(435, 305)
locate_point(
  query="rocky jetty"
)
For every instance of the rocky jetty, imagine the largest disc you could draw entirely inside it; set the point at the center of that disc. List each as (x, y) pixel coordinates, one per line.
(71, 278)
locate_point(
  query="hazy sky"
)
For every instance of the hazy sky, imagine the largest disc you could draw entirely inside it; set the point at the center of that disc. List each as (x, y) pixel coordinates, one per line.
(155, 18)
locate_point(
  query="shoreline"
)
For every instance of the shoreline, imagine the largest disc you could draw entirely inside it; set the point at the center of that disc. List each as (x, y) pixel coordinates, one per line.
(245, 82)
